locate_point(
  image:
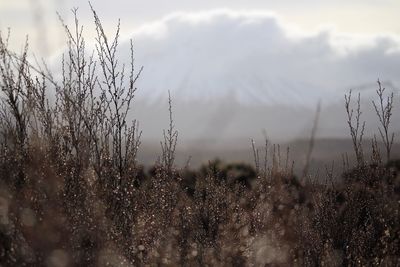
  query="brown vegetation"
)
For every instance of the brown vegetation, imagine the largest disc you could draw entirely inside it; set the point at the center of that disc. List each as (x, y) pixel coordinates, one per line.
(72, 193)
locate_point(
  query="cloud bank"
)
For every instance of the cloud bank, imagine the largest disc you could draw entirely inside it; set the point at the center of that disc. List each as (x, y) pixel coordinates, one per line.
(234, 74)
(258, 59)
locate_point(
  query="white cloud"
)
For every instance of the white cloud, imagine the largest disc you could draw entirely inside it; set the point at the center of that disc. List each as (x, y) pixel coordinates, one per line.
(232, 74)
(258, 58)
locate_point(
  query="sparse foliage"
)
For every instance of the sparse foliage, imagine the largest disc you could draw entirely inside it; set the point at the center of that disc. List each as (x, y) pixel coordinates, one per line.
(356, 126)
(384, 112)
(72, 193)
(170, 139)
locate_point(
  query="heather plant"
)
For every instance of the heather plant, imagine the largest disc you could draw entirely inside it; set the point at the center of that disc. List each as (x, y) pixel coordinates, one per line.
(384, 112)
(73, 194)
(356, 126)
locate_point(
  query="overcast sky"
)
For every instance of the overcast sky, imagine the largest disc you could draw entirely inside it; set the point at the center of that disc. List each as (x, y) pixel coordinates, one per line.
(37, 17)
(278, 50)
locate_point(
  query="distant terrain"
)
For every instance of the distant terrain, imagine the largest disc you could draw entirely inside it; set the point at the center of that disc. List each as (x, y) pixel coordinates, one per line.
(325, 152)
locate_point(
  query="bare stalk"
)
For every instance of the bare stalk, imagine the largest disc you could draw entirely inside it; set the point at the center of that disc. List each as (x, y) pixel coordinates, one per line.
(170, 139)
(312, 140)
(384, 112)
(256, 156)
(356, 127)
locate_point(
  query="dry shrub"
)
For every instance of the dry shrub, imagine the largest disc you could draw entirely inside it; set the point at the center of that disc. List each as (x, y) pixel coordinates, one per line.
(72, 193)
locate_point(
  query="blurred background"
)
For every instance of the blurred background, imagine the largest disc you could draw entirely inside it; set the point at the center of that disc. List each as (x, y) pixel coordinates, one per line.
(237, 69)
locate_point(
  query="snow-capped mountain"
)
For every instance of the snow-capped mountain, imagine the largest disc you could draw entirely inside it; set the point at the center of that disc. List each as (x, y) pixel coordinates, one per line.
(235, 75)
(257, 59)
(231, 75)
